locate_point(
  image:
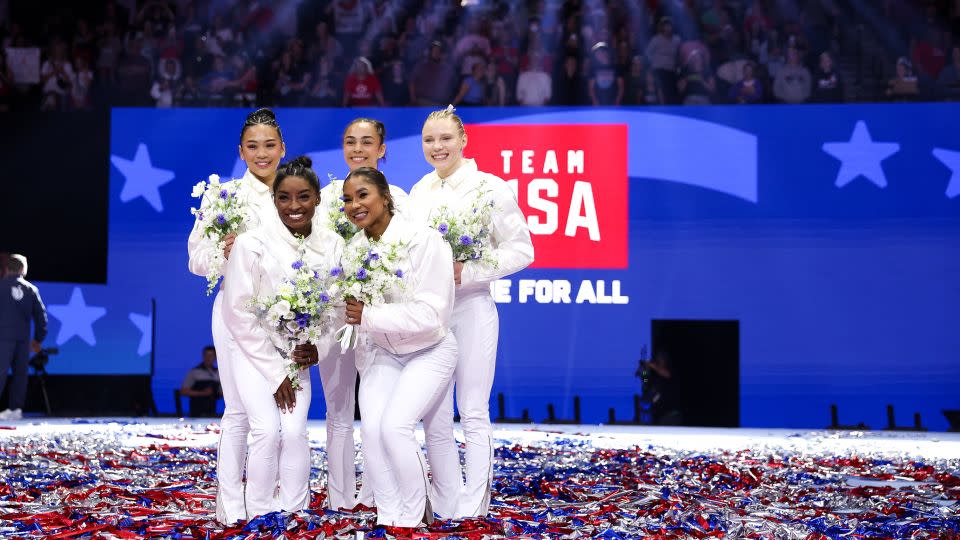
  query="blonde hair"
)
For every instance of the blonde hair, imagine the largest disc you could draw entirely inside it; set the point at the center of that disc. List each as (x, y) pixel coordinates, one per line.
(450, 113)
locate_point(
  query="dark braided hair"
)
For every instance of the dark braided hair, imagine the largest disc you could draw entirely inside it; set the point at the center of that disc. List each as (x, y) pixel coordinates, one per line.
(261, 117)
(376, 178)
(298, 166)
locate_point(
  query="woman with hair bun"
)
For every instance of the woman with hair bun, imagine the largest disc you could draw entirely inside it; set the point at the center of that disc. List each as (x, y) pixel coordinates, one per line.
(262, 259)
(261, 148)
(408, 354)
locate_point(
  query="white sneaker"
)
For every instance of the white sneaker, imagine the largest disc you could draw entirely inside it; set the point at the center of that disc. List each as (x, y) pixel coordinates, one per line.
(15, 414)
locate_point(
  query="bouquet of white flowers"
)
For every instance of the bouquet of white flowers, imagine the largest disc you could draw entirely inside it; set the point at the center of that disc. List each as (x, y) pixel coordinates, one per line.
(367, 274)
(297, 313)
(336, 212)
(222, 211)
(467, 230)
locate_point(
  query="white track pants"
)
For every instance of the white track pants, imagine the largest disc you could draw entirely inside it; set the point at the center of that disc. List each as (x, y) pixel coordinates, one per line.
(396, 392)
(279, 447)
(338, 373)
(476, 325)
(232, 449)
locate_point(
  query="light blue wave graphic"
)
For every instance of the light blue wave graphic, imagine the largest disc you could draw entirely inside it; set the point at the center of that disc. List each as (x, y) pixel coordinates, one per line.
(660, 147)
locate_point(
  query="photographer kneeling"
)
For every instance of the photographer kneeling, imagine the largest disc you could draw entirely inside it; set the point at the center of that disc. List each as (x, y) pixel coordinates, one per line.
(19, 304)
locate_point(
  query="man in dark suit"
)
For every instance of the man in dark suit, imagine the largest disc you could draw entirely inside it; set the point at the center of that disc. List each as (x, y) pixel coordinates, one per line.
(20, 303)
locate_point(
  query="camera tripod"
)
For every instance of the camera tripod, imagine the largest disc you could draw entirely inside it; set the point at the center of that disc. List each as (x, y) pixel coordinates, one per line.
(41, 373)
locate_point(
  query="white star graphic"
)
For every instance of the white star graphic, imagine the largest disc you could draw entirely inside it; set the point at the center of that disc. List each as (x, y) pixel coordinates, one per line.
(144, 323)
(76, 318)
(952, 160)
(142, 179)
(861, 156)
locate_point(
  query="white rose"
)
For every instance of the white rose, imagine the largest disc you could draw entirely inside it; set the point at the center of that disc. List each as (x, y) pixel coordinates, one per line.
(198, 190)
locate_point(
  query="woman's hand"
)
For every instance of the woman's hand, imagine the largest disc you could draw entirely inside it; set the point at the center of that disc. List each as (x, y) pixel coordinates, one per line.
(285, 396)
(457, 270)
(354, 311)
(228, 244)
(306, 355)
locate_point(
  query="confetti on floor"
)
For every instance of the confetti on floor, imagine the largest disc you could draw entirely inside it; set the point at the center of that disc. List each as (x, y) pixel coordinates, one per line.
(137, 479)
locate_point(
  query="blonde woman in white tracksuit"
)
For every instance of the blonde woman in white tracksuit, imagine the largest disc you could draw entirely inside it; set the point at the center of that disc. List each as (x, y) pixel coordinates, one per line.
(262, 148)
(454, 182)
(409, 353)
(363, 146)
(278, 466)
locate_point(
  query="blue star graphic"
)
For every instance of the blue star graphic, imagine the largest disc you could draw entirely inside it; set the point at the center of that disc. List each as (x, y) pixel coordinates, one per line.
(76, 318)
(861, 156)
(952, 160)
(142, 179)
(144, 323)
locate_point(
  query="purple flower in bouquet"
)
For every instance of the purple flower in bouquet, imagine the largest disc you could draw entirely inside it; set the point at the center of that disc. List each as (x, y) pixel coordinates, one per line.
(399, 273)
(297, 265)
(466, 240)
(362, 273)
(443, 228)
(336, 271)
(224, 194)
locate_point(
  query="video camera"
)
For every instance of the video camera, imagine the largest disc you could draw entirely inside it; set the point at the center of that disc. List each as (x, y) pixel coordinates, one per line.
(39, 361)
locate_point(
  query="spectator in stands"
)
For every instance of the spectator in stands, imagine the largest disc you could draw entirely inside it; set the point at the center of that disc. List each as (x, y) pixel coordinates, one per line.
(792, 83)
(662, 52)
(57, 78)
(827, 85)
(903, 87)
(568, 86)
(928, 54)
(291, 81)
(243, 86)
(534, 86)
(362, 87)
(473, 88)
(202, 385)
(642, 88)
(350, 17)
(323, 43)
(432, 79)
(758, 43)
(110, 49)
(325, 90)
(215, 83)
(396, 88)
(83, 85)
(84, 41)
(163, 93)
(949, 81)
(473, 46)
(605, 85)
(696, 85)
(748, 90)
(496, 92)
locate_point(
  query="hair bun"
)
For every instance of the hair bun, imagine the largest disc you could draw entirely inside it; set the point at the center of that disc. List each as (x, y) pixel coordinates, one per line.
(259, 115)
(303, 161)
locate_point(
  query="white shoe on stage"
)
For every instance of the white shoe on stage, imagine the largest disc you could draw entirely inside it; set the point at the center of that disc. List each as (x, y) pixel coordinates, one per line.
(15, 414)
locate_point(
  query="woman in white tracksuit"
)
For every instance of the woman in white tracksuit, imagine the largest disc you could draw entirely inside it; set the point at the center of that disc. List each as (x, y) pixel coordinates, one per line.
(363, 146)
(262, 148)
(262, 259)
(454, 182)
(409, 355)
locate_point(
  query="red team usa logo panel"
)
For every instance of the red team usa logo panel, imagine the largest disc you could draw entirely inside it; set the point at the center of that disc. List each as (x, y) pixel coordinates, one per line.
(571, 182)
